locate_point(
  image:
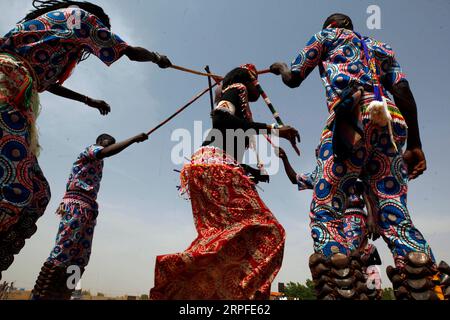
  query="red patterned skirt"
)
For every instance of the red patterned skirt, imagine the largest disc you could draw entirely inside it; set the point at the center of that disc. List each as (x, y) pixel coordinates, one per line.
(240, 244)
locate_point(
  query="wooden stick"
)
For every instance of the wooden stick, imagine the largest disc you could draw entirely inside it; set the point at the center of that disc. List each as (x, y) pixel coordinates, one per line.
(198, 96)
(264, 71)
(196, 72)
(211, 98)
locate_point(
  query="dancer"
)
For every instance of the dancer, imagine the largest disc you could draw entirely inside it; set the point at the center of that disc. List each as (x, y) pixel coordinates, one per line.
(38, 55)
(358, 226)
(240, 244)
(78, 212)
(365, 142)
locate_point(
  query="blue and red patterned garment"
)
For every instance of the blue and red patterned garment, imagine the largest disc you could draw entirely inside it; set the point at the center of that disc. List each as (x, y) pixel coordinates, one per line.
(339, 55)
(54, 42)
(86, 174)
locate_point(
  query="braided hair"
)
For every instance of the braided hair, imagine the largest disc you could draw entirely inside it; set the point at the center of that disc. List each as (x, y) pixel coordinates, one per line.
(338, 20)
(44, 6)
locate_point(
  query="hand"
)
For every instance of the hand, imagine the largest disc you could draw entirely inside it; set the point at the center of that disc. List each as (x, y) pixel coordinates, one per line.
(100, 105)
(281, 153)
(163, 62)
(278, 68)
(372, 229)
(290, 134)
(415, 162)
(140, 138)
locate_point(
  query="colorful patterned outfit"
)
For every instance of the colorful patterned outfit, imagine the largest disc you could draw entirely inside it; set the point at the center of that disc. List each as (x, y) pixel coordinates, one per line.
(340, 56)
(33, 56)
(24, 191)
(79, 211)
(354, 220)
(240, 244)
(54, 42)
(382, 168)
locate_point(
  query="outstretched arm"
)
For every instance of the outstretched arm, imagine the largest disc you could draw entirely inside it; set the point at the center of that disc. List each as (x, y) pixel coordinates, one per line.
(143, 55)
(120, 146)
(291, 79)
(226, 120)
(305, 62)
(414, 155)
(64, 92)
(290, 172)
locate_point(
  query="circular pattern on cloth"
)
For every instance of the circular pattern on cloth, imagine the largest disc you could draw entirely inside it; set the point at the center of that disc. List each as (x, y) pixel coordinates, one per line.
(412, 238)
(354, 68)
(377, 166)
(349, 52)
(392, 214)
(326, 150)
(320, 236)
(323, 190)
(333, 247)
(24, 174)
(83, 31)
(68, 243)
(347, 184)
(400, 131)
(9, 215)
(51, 73)
(334, 171)
(33, 25)
(13, 123)
(389, 186)
(107, 55)
(385, 144)
(16, 194)
(13, 149)
(338, 202)
(56, 16)
(7, 172)
(41, 56)
(399, 170)
(312, 54)
(341, 81)
(358, 157)
(323, 214)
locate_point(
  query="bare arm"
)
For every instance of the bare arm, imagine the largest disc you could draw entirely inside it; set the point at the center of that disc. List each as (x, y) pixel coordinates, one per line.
(291, 79)
(414, 155)
(290, 172)
(143, 55)
(64, 92)
(405, 101)
(117, 148)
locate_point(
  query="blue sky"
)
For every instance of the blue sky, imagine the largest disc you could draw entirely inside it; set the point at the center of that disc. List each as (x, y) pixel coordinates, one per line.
(141, 215)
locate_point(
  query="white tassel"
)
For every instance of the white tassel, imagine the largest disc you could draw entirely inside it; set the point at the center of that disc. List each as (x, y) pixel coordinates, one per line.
(379, 114)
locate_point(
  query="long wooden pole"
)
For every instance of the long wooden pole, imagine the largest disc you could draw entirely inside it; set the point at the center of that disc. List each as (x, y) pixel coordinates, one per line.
(198, 96)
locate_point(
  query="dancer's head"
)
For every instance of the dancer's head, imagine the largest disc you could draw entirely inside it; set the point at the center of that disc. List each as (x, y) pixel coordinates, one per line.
(105, 140)
(44, 6)
(338, 20)
(247, 75)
